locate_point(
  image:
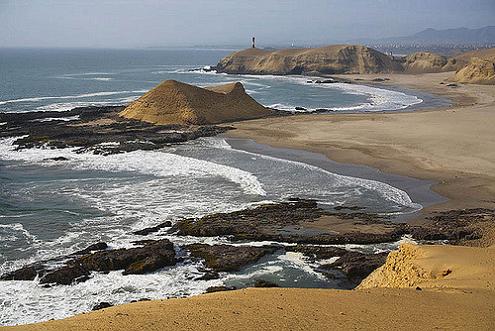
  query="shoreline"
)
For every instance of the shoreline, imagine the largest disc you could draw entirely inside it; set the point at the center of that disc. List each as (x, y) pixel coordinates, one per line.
(383, 141)
(418, 190)
(393, 148)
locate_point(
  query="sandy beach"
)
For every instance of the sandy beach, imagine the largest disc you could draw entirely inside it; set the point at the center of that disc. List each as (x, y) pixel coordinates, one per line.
(453, 146)
(419, 287)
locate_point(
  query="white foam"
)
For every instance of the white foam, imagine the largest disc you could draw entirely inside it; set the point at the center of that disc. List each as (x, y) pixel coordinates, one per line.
(298, 261)
(24, 302)
(104, 79)
(154, 163)
(387, 191)
(49, 119)
(379, 99)
(85, 95)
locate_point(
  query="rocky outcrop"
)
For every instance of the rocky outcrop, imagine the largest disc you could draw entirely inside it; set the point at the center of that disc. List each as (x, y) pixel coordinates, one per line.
(356, 59)
(99, 130)
(227, 257)
(335, 59)
(357, 266)
(302, 221)
(173, 102)
(137, 260)
(354, 265)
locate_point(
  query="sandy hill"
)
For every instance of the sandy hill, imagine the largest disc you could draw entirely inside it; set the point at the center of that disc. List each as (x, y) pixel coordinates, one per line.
(335, 59)
(478, 71)
(476, 67)
(424, 62)
(173, 102)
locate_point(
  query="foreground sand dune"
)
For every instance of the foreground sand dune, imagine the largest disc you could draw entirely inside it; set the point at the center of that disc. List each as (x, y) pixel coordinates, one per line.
(296, 309)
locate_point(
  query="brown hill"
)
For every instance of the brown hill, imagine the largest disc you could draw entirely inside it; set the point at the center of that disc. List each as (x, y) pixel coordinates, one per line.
(173, 102)
(478, 71)
(424, 62)
(335, 59)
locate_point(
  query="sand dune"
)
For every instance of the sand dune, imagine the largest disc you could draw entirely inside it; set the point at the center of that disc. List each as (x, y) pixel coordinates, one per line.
(173, 102)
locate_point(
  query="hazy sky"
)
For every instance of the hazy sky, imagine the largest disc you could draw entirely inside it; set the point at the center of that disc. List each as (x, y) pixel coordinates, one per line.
(143, 23)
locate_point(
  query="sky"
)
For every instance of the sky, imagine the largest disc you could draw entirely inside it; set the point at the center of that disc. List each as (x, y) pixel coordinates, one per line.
(178, 23)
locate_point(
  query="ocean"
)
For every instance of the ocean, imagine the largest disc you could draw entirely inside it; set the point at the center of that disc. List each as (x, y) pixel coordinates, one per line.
(48, 208)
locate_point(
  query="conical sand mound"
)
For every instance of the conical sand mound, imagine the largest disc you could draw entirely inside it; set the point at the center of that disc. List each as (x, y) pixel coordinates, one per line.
(173, 102)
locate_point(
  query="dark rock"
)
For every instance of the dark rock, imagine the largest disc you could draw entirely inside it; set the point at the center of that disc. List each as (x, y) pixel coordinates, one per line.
(220, 289)
(317, 252)
(292, 221)
(287, 222)
(77, 267)
(226, 257)
(88, 136)
(58, 158)
(300, 108)
(136, 260)
(153, 229)
(102, 305)
(264, 283)
(380, 79)
(357, 266)
(28, 272)
(209, 275)
(452, 85)
(92, 248)
(66, 275)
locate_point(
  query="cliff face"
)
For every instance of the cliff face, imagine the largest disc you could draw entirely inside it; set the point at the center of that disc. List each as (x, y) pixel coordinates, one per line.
(355, 59)
(335, 59)
(173, 102)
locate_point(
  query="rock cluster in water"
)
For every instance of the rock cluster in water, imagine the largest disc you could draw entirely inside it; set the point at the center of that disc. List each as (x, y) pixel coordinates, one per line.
(99, 130)
(295, 221)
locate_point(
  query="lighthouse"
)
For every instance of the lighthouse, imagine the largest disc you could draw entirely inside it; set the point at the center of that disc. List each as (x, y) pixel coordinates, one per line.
(253, 42)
